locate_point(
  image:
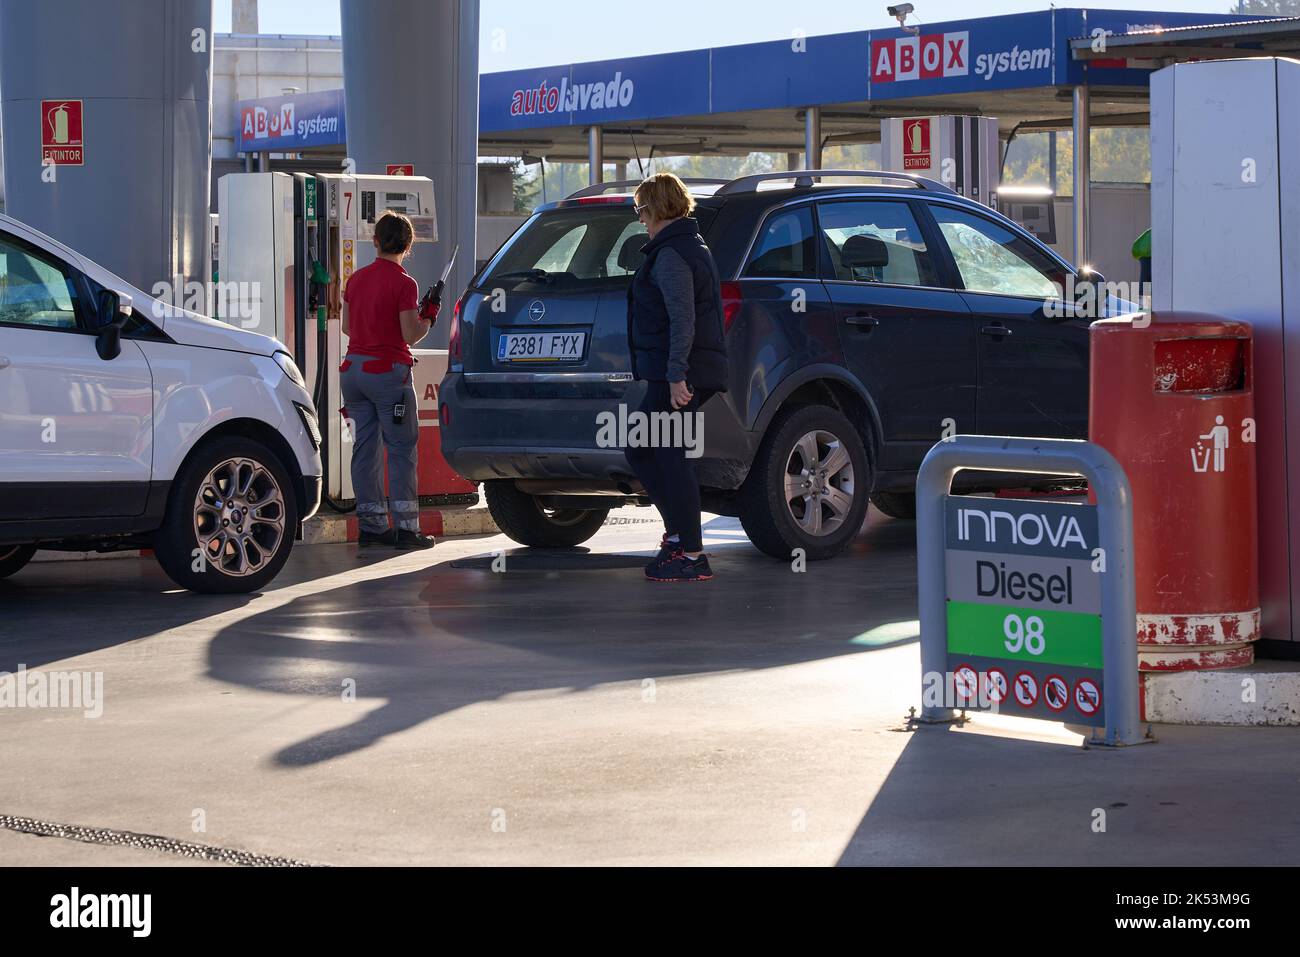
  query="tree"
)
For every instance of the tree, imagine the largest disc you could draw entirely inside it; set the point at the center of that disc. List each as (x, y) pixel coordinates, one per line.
(527, 187)
(1119, 155)
(1267, 8)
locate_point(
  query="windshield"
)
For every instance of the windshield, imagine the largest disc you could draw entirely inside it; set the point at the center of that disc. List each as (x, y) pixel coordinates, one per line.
(573, 248)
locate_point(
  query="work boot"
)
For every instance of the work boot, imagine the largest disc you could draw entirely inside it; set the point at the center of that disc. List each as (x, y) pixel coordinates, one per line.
(370, 539)
(408, 540)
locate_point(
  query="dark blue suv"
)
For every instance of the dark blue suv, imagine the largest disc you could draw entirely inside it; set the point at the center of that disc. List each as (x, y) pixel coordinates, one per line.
(865, 321)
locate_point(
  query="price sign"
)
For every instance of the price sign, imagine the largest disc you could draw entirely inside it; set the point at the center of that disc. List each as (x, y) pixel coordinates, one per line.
(1023, 599)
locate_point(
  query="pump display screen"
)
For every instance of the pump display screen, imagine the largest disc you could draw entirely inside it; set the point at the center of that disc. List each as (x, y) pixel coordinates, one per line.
(371, 208)
(375, 203)
(407, 203)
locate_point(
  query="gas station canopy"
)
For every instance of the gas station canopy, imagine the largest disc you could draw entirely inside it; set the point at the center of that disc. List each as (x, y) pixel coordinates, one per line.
(778, 96)
(1161, 46)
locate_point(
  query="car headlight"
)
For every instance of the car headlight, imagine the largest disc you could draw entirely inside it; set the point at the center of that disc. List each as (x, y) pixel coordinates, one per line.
(309, 422)
(285, 362)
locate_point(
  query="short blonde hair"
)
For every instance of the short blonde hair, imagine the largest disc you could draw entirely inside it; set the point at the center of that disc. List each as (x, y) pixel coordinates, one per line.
(665, 196)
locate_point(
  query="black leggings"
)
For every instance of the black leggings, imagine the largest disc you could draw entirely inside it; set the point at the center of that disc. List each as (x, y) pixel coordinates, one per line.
(666, 473)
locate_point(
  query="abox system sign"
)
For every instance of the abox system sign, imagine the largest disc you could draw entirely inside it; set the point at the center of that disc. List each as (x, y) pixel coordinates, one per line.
(920, 58)
(292, 122)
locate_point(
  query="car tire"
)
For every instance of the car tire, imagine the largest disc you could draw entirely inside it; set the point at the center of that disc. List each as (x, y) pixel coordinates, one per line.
(14, 557)
(778, 523)
(895, 504)
(522, 517)
(260, 519)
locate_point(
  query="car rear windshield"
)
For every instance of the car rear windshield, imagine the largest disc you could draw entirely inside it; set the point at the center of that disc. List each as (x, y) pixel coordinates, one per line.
(575, 248)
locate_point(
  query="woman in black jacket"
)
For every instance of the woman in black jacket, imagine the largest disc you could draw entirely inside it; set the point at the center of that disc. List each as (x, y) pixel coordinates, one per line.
(676, 338)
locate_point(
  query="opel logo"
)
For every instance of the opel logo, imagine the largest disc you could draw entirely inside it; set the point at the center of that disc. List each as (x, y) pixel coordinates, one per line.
(536, 309)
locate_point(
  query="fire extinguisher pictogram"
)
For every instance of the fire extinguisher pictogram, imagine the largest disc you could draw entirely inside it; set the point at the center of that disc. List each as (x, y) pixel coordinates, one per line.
(58, 120)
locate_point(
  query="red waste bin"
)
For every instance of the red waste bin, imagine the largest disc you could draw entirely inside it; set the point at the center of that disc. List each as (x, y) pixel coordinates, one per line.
(1172, 399)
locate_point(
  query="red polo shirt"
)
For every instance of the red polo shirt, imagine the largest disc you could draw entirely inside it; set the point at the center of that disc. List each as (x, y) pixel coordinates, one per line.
(375, 295)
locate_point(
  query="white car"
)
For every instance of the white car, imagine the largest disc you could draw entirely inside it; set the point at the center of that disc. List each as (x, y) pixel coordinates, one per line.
(126, 422)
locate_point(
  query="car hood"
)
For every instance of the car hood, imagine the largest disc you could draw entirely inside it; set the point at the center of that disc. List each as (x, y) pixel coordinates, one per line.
(191, 329)
(185, 327)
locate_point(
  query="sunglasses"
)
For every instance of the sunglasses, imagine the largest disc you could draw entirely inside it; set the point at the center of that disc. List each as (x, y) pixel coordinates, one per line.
(640, 209)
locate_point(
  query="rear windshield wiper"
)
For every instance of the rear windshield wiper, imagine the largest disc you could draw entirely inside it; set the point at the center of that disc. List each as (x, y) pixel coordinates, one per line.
(537, 275)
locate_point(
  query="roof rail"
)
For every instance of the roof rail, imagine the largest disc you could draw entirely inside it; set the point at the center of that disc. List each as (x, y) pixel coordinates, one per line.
(597, 189)
(805, 177)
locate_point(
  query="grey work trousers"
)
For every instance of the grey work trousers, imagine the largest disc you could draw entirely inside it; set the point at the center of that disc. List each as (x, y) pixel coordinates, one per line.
(370, 398)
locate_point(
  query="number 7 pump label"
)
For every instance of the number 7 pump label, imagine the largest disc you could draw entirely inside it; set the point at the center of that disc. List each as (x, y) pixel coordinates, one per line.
(1023, 598)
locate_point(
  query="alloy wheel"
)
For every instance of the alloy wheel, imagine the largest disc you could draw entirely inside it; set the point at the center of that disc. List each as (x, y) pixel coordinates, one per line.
(239, 517)
(819, 485)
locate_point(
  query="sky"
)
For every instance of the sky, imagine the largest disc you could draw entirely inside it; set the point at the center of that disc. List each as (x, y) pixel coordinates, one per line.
(515, 34)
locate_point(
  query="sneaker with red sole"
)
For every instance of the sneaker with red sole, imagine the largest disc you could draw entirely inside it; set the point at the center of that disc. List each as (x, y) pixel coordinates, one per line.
(679, 568)
(666, 551)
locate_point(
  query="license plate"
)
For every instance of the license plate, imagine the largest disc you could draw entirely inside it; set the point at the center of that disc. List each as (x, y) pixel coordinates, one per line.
(540, 346)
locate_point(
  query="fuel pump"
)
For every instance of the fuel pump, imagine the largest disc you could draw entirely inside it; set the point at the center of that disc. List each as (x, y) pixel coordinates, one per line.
(293, 242)
(349, 207)
(306, 241)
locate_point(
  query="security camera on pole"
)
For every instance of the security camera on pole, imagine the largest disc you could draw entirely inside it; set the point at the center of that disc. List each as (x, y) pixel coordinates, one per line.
(900, 13)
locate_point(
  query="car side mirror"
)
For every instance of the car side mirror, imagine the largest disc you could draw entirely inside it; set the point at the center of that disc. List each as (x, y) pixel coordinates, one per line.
(1088, 277)
(113, 309)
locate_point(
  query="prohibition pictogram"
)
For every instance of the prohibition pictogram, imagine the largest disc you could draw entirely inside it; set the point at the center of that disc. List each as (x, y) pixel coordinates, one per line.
(965, 683)
(1087, 696)
(1026, 689)
(1056, 693)
(995, 685)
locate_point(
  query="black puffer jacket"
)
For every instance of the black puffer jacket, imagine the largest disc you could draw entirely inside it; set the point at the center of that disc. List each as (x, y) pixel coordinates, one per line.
(647, 316)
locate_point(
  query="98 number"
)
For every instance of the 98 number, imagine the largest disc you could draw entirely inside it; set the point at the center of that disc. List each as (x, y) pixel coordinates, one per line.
(1026, 634)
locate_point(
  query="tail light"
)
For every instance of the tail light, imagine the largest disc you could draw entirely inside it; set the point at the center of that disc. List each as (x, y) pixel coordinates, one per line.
(453, 337)
(597, 200)
(732, 299)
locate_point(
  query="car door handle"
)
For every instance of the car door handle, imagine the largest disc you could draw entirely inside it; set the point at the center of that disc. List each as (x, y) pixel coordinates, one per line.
(997, 331)
(4, 362)
(863, 320)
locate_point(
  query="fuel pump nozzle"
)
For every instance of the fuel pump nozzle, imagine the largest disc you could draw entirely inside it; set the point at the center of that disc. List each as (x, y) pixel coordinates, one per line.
(320, 280)
(432, 300)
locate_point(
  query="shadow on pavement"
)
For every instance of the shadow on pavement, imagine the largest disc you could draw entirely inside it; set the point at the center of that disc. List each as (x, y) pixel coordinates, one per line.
(60, 610)
(445, 637)
(1199, 796)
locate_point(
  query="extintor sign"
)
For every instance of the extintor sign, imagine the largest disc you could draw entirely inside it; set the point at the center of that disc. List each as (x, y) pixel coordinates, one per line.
(916, 144)
(61, 133)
